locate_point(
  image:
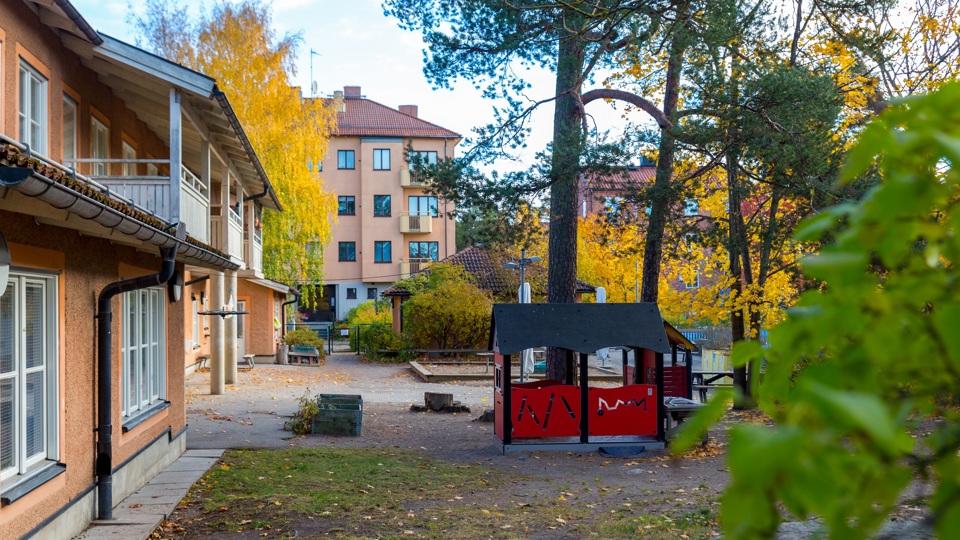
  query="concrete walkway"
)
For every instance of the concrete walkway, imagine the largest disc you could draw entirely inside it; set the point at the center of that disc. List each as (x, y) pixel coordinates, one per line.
(139, 514)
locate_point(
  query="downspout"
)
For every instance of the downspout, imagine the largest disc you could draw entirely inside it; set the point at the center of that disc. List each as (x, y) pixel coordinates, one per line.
(104, 463)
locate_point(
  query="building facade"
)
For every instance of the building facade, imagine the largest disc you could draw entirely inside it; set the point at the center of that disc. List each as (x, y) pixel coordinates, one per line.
(127, 188)
(387, 226)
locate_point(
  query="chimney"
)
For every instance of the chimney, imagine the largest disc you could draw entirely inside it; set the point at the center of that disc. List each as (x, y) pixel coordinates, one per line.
(409, 110)
(351, 91)
(338, 96)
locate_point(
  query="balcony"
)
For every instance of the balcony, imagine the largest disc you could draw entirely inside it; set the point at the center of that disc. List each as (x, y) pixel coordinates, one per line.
(409, 267)
(234, 225)
(153, 192)
(254, 250)
(409, 179)
(415, 224)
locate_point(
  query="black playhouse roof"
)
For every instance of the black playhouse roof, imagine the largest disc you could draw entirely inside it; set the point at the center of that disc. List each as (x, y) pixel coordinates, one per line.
(582, 328)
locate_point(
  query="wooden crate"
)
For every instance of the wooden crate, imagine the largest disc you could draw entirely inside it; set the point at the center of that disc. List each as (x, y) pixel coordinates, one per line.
(340, 414)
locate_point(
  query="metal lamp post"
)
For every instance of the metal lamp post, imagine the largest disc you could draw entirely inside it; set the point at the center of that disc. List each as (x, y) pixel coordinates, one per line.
(524, 261)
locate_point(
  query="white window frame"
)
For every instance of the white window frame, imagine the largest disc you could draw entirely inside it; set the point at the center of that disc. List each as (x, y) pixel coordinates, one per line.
(144, 352)
(71, 110)
(33, 130)
(128, 151)
(16, 292)
(99, 146)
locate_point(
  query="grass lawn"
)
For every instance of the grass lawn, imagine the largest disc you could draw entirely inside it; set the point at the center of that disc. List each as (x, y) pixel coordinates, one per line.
(377, 493)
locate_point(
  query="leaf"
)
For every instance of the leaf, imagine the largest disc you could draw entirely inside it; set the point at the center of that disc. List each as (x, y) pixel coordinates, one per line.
(862, 412)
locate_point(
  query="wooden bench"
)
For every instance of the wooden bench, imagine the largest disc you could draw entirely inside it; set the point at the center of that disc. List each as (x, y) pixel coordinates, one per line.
(248, 361)
(303, 355)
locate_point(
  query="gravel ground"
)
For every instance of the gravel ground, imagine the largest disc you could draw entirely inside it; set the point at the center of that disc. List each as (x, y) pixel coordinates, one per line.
(251, 414)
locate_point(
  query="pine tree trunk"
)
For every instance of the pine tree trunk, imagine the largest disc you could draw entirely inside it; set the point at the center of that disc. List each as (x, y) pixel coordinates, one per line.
(663, 190)
(565, 173)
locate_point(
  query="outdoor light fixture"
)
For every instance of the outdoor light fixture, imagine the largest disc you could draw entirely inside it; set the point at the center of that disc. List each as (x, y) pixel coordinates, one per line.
(524, 261)
(4, 264)
(175, 287)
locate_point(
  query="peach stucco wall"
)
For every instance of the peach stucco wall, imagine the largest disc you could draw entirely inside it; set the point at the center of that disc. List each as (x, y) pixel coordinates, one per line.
(86, 265)
(365, 229)
(24, 36)
(260, 333)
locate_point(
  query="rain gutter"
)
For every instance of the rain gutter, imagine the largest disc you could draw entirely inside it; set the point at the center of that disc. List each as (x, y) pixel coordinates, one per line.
(77, 19)
(63, 197)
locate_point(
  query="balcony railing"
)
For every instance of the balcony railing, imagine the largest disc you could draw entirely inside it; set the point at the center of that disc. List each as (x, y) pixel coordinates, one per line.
(409, 267)
(255, 250)
(415, 223)
(152, 192)
(409, 179)
(234, 244)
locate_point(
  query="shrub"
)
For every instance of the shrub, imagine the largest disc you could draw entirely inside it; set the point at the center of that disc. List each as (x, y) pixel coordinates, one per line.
(368, 313)
(379, 336)
(452, 314)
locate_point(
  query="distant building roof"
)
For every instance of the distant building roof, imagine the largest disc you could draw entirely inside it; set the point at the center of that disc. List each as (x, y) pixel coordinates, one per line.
(630, 178)
(488, 275)
(365, 117)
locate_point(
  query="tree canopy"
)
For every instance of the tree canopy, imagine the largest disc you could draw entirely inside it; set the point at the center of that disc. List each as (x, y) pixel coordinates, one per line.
(236, 44)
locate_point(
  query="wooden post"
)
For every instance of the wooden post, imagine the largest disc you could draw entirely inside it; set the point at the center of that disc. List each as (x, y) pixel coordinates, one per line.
(176, 155)
(661, 410)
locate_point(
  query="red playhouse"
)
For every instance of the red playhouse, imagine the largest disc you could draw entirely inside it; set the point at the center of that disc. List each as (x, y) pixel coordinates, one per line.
(565, 415)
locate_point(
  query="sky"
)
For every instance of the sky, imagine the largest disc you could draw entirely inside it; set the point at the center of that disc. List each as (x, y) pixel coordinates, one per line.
(355, 44)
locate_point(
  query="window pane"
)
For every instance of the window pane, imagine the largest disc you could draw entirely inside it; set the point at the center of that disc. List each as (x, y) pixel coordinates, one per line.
(7, 330)
(381, 205)
(434, 251)
(35, 349)
(69, 131)
(8, 431)
(35, 417)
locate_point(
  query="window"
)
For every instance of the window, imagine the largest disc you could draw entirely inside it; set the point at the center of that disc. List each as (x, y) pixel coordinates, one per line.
(348, 251)
(691, 207)
(351, 293)
(99, 146)
(33, 108)
(129, 152)
(381, 205)
(346, 205)
(144, 351)
(381, 159)
(371, 293)
(694, 282)
(422, 158)
(422, 206)
(425, 250)
(345, 159)
(381, 252)
(152, 168)
(69, 131)
(28, 373)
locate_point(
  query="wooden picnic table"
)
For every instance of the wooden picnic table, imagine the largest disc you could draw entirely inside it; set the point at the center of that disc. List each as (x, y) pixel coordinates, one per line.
(705, 380)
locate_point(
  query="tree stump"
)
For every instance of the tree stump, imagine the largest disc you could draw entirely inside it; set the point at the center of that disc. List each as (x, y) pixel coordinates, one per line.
(436, 401)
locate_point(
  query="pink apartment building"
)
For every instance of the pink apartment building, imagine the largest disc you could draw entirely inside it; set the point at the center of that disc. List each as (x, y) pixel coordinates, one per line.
(387, 226)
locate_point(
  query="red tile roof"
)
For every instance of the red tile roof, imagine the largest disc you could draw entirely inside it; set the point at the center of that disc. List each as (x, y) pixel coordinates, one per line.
(634, 178)
(489, 277)
(365, 117)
